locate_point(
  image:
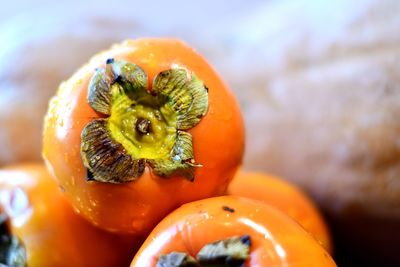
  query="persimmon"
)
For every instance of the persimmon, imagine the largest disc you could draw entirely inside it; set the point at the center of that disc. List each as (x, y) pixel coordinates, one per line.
(233, 230)
(140, 130)
(50, 231)
(284, 196)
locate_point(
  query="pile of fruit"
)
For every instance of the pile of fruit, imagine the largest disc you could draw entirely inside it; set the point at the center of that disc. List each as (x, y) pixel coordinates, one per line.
(143, 147)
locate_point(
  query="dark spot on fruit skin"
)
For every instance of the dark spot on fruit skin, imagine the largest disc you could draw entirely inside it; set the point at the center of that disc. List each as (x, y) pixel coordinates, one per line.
(228, 209)
(62, 189)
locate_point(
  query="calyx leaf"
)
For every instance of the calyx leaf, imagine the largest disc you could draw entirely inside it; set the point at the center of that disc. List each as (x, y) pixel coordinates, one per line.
(176, 259)
(12, 251)
(184, 93)
(231, 252)
(106, 159)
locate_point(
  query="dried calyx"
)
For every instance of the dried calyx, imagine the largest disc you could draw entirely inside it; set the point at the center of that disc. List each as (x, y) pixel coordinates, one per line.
(143, 126)
(231, 252)
(12, 252)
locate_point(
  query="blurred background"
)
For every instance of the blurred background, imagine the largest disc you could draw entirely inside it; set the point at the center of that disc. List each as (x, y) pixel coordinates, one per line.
(318, 83)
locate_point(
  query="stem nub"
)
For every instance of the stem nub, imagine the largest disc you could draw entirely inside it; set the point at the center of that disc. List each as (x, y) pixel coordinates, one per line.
(143, 126)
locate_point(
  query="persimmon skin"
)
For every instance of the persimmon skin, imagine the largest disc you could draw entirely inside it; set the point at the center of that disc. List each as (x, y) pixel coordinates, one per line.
(136, 207)
(52, 233)
(276, 240)
(284, 196)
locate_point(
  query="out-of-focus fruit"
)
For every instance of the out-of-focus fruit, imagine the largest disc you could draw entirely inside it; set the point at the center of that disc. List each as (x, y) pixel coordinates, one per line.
(285, 196)
(52, 233)
(268, 236)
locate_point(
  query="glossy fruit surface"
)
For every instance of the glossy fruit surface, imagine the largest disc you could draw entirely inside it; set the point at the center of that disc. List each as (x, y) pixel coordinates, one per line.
(52, 233)
(137, 206)
(284, 196)
(276, 240)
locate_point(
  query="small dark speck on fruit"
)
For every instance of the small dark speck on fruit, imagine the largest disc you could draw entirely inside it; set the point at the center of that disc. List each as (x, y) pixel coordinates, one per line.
(62, 188)
(228, 209)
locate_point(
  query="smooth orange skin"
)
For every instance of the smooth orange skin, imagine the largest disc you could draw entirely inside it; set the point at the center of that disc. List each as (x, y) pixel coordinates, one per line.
(284, 196)
(277, 240)
(53, 234)
(136, 207)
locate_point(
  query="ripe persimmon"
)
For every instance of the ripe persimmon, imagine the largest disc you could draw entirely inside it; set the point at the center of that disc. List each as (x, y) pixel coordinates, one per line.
(284, 196)
(140, 130)
(230, 231)
(50, 233)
